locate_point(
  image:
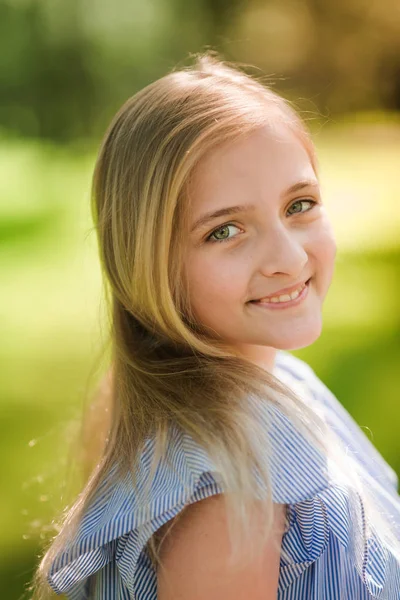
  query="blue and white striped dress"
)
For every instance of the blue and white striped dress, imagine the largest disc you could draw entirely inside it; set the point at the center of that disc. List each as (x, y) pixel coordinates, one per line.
(108, 559)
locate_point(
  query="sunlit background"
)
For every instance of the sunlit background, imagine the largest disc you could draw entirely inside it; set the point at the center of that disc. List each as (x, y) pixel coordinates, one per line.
(65, 69)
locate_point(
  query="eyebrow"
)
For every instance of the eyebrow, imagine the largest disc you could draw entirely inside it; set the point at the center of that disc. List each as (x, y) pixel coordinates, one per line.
(230, 210)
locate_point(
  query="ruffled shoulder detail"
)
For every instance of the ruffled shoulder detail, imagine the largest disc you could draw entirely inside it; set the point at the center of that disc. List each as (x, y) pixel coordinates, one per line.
(117, 526)
(331, 533)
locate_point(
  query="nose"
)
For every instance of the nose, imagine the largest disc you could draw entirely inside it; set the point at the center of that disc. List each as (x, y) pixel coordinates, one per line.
(283, 253)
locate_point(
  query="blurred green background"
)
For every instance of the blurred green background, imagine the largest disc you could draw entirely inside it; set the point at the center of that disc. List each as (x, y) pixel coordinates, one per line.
(65, 69)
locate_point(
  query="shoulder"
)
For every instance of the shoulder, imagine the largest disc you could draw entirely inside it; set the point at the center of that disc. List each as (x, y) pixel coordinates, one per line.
(110, 543)
(293, 369)
(310, 387)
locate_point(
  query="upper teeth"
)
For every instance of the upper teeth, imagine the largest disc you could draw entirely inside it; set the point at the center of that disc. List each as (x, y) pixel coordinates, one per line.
(284, 297)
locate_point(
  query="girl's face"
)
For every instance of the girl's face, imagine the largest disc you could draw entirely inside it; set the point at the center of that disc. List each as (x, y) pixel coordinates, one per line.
(274, 238)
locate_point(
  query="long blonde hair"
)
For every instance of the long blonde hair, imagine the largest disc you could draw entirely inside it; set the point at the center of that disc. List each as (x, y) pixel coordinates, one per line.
(165, 366)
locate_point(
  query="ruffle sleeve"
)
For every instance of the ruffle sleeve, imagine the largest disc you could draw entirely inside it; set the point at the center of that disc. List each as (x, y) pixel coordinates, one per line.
(115, 528)
(327, 540)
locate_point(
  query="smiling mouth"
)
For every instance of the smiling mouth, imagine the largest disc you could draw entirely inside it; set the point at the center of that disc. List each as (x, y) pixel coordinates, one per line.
(288, 299)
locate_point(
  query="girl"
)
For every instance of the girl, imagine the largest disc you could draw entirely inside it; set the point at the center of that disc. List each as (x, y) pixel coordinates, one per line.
(228, 469)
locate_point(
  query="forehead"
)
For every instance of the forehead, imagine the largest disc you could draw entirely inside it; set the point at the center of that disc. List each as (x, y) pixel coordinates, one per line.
(269, 159)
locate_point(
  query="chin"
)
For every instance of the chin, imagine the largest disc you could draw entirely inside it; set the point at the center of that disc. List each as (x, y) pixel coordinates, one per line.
(303, 339)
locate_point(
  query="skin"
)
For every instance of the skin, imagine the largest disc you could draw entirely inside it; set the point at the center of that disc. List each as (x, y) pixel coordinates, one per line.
(201, 571)
(264, 250)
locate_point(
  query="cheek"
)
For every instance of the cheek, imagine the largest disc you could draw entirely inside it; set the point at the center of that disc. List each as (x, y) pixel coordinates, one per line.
(324, 249)
(211, 280)
(329, 241)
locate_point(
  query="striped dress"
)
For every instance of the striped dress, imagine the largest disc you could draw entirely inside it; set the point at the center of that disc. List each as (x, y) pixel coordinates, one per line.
(327, 556)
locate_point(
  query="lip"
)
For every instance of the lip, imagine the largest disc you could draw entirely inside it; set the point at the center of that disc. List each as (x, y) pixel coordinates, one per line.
(283, 305)
(287, 290)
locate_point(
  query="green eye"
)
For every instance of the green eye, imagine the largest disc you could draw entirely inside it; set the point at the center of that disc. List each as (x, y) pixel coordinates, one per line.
(299, 202)
(223, 228)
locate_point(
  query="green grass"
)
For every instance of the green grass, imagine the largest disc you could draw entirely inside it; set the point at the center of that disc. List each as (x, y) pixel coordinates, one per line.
(51, 314)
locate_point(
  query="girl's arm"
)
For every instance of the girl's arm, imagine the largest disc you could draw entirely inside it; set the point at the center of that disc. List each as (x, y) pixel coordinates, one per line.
(195, 553)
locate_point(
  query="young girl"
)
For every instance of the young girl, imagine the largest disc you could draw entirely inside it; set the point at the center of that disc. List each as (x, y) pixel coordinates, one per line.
(229, 471)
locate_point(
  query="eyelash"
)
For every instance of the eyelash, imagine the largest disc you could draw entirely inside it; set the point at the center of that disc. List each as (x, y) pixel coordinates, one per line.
(208, 238)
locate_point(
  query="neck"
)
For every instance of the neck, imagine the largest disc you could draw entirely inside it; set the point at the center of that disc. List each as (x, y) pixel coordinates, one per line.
(262, 356)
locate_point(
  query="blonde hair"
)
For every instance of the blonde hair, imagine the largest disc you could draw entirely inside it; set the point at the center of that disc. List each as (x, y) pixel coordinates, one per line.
(166, 368)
